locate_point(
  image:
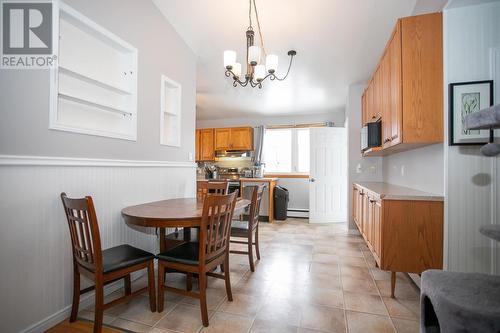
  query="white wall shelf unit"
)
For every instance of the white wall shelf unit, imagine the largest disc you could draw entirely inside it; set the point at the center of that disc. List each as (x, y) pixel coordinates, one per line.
(170, 113)
(94, 86)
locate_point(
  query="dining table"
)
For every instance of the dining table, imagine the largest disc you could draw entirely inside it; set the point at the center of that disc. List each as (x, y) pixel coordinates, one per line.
(172, 213)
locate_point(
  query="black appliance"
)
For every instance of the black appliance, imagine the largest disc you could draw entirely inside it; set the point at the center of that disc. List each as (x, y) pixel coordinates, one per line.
(371, 135)
(281, 198)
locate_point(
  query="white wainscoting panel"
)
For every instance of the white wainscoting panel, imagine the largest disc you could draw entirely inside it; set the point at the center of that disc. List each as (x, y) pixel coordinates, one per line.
(35, 253)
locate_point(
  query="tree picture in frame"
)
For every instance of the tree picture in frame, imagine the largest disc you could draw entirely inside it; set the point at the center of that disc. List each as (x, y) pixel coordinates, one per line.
(467, 98)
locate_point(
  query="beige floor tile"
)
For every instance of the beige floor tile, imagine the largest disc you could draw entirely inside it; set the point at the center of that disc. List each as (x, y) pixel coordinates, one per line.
(266, 326)
(364, 303)
(323, 297)
(379, 274)
(140, 312)
(403, 308)
(183, 318)
(403, 290)
(228, 323)
(323, 318)
(280, 310)
(89, 315)
(331, 269)
(406, 326)
(356, 272)
(358, 322)
(242, 304)
(214, 298)
(353, 261)
(253, 286)
(325, 258)
(131, 326)
(323, 281)
(159, 330)
(359, 285)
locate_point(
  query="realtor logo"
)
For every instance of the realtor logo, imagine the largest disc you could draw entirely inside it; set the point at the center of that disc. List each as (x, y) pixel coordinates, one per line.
(27, 34)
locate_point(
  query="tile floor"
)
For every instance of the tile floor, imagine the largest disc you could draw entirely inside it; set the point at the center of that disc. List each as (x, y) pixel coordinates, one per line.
(311, 278)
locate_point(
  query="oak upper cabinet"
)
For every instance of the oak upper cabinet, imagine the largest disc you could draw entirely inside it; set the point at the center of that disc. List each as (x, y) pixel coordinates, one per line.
(197, 146)
(242, 138)
(222, 138)
(234, 138)
(206, 150)
(407, 86)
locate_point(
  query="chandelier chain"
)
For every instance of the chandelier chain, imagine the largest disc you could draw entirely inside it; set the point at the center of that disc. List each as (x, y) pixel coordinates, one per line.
(258, 27)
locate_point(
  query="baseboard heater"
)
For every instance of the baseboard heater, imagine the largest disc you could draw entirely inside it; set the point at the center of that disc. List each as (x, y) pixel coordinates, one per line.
(298, 212)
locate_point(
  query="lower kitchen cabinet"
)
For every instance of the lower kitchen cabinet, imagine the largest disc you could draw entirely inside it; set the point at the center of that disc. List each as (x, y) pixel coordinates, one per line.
(403, 228)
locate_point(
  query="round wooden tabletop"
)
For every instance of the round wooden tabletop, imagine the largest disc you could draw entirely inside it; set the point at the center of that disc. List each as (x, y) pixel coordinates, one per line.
(185, 212)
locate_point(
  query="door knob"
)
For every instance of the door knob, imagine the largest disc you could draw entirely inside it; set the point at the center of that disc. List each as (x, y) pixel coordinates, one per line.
(312, 180)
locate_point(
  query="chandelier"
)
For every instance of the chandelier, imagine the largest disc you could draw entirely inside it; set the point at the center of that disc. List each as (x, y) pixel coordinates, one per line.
(256, 72)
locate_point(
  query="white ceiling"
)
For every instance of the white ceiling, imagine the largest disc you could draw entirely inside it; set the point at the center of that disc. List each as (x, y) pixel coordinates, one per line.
(338, 42)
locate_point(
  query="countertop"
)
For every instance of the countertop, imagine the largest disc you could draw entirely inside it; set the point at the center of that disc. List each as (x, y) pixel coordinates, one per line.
(387, 191)
(260, 179)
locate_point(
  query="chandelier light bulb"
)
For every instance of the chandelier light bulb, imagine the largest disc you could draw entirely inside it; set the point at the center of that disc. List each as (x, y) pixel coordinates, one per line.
(254, 72)
(237, 69)
(260, 72)
(229, 59)
(254, 55)
(271, 63)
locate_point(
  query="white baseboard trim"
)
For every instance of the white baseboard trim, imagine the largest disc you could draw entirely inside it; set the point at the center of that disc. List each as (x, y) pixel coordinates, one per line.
(21, 160)
(85, 301)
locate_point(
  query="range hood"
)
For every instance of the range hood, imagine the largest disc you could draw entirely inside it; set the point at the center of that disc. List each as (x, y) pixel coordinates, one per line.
(233, 153)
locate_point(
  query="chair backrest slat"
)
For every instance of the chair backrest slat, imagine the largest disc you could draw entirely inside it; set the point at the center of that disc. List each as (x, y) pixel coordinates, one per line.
(205, 188)
(255, 196)
(84, 231)
(215, 225)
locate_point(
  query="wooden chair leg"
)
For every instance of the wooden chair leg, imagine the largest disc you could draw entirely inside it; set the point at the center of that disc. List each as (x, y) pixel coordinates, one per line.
(203, 298)
(189, 281)
(161, 281)
(99, 305)
(151, 286)
(228, 280)
(257, 251)
(127, 284)
(393, 284)
(250, 252)
(76, 295)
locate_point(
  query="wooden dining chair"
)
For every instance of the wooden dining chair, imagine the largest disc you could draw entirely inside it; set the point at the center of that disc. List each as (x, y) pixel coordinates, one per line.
(102, 266)
(249, 229)
(202, 257)
(205, 188)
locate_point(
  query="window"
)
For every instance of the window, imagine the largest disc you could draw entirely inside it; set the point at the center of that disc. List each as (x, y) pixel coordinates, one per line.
(286, 150)
(170, 117)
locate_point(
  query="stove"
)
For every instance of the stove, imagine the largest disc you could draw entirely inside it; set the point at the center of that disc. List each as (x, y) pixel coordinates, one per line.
(233, 178)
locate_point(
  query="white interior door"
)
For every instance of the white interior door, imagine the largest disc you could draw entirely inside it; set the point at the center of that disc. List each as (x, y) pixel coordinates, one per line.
(328, 175)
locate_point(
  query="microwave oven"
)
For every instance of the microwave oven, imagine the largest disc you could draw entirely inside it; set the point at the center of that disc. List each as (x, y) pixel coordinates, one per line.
(371, 135)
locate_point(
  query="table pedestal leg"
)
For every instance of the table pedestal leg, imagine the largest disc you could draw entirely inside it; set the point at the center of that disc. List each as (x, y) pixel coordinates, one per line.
(163, 245)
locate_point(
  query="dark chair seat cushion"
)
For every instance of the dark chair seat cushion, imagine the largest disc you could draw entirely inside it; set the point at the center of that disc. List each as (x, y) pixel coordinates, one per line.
(239, 228)
(186, 253)
(123, 256)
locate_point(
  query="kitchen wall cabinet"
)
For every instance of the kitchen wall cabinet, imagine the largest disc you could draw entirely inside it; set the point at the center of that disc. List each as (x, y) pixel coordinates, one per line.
(197, 145)
(234, 138)
(205, 144)
(406, 89)
(404, 231)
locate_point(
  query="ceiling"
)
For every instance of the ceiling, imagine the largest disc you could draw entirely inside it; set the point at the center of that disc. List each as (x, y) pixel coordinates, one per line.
(338, 42)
